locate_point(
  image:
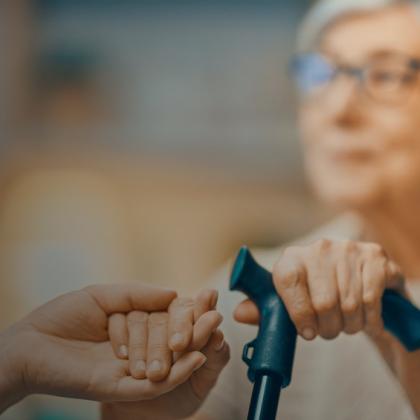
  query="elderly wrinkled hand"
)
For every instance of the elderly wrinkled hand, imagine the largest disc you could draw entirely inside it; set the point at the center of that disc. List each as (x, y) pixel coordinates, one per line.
(330, 287)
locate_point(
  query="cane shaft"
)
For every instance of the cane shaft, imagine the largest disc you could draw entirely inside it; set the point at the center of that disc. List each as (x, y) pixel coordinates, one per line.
(265, 398)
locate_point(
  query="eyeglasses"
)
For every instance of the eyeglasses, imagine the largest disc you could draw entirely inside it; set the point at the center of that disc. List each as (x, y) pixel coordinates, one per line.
(389, 79)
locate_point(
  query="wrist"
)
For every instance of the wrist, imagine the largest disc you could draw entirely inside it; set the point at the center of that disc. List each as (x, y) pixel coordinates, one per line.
(12, 383)
(133, 411)
(116, 411)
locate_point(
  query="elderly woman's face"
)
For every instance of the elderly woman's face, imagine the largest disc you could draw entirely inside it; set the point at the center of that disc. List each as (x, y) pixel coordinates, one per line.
(362, 140)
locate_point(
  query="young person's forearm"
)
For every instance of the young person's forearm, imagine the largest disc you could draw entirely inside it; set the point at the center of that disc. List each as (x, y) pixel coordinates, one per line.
(107, 412)
(8, 395)
(11, 391)
(111, 411)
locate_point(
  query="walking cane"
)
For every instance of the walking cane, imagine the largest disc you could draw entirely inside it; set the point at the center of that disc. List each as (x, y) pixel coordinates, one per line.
(270, 355)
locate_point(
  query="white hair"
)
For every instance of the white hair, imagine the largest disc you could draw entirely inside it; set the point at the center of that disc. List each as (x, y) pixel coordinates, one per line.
(327, 11)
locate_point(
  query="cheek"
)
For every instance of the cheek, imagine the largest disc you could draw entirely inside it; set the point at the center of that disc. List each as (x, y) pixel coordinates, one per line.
(400, 151)
(394, 169)
(310, 123)
(402, 168)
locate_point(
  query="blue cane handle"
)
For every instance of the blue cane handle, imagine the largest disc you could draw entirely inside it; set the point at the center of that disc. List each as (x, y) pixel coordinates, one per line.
(402, 319)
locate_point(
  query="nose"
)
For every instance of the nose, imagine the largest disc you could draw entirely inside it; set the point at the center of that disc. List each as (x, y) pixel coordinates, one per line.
(343, 101)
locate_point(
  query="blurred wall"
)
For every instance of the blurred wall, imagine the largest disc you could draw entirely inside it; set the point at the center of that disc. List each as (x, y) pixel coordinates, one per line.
(144, 140)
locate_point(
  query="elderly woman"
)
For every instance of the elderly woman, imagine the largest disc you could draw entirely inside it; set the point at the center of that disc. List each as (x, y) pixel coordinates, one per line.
(359, 77)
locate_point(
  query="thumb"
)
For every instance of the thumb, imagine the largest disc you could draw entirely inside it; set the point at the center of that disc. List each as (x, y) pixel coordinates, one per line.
(247, 312)
(113, 298)
(218, 354)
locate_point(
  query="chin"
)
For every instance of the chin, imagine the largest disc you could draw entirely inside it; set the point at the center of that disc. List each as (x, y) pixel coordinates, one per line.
(351, 186)
(347, 195)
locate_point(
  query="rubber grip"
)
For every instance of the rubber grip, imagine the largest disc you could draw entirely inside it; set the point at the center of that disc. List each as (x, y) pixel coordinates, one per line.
(402, 319)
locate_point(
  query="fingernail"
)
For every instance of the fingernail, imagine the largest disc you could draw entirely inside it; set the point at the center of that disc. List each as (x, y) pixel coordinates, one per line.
(308, 333)
(200, 363)
(177, 338)
(155, 366)
(219, 346)
(123, 351)
(140, 367)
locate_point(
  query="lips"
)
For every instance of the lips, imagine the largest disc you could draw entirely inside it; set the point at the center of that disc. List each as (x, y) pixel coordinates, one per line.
(351, 154)
(349, 149)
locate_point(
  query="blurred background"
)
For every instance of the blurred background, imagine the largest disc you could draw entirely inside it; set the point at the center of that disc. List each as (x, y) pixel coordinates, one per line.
(143, 140)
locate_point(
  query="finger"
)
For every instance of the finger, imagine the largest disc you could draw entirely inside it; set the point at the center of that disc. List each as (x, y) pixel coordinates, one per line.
(159, 356)
(350, 289)
(216, 342)
(247, 313)
(323, 290)
(395, 277)
(118, 335)
(137, 345)
(218, 354)
(205, 326)
(130, 389)
(330, 321)
(129, 297)
(291, 283)
(181, 321)
(205, 301)
(373, 274)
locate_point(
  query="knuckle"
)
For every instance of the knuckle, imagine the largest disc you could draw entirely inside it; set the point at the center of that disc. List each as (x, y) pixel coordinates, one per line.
(182, 303)
(370, 298)
(350, 246)
(376, 250)
(349, 306)
(302, 307)
(303, 317)
(207, 294)
(186, 302)
(323, 244)
(382, 263)
(289, 278)
(324, 305)
(290, 251)
(393, 269)
(286, 263)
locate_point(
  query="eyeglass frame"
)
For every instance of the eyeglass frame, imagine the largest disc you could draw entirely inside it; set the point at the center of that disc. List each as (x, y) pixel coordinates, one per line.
(356, 72)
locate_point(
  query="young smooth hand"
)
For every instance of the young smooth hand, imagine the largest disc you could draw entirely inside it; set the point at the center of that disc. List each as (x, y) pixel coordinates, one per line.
(63, 348)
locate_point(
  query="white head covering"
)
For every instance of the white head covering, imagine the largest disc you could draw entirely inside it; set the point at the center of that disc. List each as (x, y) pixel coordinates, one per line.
(326, 11)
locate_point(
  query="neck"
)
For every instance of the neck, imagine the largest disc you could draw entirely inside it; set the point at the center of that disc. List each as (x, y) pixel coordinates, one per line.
(396, 227)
